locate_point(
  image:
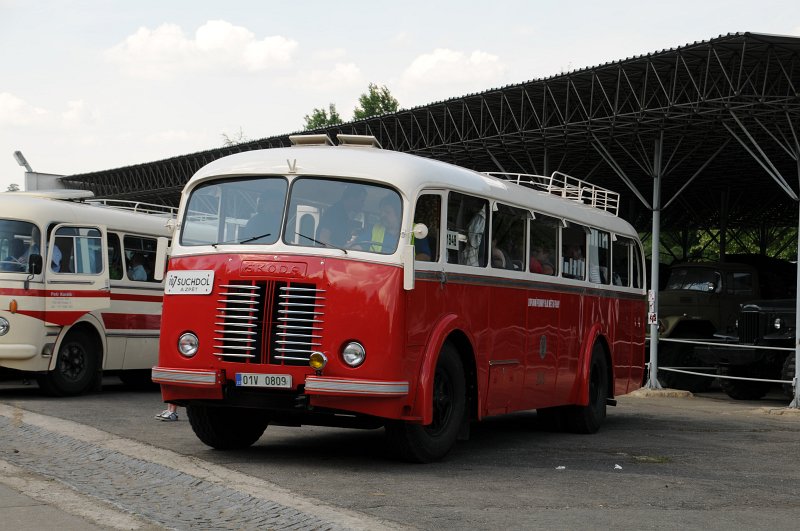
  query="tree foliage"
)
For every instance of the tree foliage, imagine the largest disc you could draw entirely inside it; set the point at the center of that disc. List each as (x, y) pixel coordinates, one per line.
(377, 100)
(13, 187)
(236, 138)
(322, 118)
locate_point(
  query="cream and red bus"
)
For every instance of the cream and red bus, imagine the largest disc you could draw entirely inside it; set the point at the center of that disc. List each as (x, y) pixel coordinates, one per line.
(354, 286)
(78, 290)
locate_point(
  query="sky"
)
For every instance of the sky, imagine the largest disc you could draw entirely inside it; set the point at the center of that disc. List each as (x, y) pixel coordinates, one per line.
(89, 85)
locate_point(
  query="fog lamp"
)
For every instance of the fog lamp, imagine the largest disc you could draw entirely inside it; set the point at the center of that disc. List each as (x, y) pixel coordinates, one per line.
(317, 361)
(354, 354)
(187, 344)
(5, 326)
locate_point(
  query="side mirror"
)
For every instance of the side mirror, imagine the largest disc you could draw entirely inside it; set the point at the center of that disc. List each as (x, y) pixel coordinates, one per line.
(35, 264)
(420, 231)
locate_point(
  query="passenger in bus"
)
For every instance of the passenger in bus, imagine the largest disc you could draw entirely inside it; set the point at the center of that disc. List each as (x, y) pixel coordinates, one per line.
(55, 261)
(382, 237)
(17, 255)
(500, 258)
(473, 253)
(541, 262)
(427, 213)
(266, 223)
(337, 223)
(136, 270)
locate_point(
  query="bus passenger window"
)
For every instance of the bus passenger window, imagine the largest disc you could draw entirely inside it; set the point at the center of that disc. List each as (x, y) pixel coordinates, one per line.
(573, 251)
(140, 258)
(543, 241)
(599, 256)
(620, 261)
(466, 227)
(428, 212)
(114, 257)
(508, 238)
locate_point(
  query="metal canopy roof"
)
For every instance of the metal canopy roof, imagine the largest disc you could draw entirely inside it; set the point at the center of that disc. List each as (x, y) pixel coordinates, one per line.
(718, 121)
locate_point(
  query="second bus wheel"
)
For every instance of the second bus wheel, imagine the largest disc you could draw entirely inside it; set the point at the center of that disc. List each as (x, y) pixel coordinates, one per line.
(77, 366)
(227, 428)
(423, 444)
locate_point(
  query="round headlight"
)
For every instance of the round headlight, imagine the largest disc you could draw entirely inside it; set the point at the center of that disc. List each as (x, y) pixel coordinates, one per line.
(5, 326)
(778, 323)
(354, 354)
(187, 344)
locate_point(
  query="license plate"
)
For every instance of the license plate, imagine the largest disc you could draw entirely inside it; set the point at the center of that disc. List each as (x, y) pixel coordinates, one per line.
(248, 379)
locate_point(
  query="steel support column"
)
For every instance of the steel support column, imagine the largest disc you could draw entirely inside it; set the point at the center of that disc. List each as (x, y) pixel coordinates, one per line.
(652, 383)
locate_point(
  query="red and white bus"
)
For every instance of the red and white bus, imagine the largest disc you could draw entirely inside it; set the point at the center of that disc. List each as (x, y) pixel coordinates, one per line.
(354, 286)
(78, 288)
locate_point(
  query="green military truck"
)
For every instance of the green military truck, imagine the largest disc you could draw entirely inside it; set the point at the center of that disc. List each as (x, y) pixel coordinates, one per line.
(702, 299)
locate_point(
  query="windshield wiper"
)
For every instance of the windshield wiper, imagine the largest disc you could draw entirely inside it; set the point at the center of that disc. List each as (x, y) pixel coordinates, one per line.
(323, 243)
(214, 245)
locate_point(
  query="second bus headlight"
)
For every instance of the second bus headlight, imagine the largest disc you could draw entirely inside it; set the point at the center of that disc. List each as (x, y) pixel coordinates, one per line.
(354, 354)
(187, 344)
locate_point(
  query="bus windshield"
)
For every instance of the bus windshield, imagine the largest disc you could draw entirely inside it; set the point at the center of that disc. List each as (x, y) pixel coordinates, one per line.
(321, 213)
(18, 240)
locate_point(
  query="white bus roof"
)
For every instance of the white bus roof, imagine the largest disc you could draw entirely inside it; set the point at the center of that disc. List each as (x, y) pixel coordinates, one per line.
(409, 173)
(44, 210)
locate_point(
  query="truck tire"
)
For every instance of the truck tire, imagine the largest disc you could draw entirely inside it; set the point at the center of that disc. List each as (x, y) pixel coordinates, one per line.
(743, 389)
(787, 373)
(680, 355)
(227, 428)
(423, 444)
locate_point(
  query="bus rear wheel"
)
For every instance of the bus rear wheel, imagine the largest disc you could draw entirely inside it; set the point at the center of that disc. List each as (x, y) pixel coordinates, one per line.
(77, 367)
(589, 418)
(424, 444)
(227, 428)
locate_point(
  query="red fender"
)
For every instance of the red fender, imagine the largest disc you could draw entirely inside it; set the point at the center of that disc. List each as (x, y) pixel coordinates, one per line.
(423, 403)
(580, 392)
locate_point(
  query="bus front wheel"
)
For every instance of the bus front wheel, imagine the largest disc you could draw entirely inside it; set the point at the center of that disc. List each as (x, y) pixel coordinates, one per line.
(227, 428)
(424, 444)
(76, 369)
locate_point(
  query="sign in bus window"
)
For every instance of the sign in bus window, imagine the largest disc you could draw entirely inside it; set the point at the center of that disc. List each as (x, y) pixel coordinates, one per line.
(573, 251)
(599, 256)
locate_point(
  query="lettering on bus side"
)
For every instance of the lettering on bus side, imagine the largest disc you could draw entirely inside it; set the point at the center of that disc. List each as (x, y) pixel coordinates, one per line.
(260, 267)
(544, 303)
(189, 282)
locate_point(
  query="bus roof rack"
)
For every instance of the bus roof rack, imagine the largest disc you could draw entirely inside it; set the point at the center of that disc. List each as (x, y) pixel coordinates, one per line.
(310, 140)
(358, 140)
(62, 194)
(135, 206)
(568, 187)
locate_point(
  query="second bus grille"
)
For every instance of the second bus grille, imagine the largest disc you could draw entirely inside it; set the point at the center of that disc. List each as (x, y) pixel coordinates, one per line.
(268, 322)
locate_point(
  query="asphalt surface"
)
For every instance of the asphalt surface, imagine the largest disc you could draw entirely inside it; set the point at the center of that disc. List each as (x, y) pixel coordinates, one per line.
(659, 462)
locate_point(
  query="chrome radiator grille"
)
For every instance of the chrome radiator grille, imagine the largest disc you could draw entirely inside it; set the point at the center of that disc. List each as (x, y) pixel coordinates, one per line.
(268, 322)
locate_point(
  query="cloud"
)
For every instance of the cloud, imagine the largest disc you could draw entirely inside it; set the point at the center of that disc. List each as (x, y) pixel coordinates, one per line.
(166, 51)
(449, 67)
(341, 75)
(15, 111)
(77, 114)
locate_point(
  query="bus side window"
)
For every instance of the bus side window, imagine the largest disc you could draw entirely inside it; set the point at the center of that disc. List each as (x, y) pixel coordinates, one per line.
(466, 230)
(508, 237)
(620, 261)
(428, 212)
(599, 256)
(638, 266)
(573, 251)
(140, 258)
(543, 244)
(114, 257)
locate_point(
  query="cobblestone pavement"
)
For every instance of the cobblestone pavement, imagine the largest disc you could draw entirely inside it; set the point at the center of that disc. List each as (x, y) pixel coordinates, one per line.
(135, 479)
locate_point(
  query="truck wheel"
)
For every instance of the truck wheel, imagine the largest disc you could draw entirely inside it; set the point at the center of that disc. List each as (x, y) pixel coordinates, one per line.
(742, 389)
(76, 368)
(227, 428)
(787, 373)
(589, 418)
(423, 444)
(681, 355)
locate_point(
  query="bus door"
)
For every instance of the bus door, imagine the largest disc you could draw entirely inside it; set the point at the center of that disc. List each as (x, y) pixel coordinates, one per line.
(76, 273)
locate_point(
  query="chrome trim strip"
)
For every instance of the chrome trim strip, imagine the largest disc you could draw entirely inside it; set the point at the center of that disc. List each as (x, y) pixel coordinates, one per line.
(178, 376)
(322, 385)
(494, 363)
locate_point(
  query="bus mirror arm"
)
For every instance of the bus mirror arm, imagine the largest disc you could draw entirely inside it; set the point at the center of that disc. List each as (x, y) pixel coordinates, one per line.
(408, 267)
(161, 258)
(34, 268)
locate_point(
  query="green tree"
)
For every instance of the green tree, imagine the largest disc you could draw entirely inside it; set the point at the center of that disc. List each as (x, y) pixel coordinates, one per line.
(322, 118)
(378, 100)
(13, 187)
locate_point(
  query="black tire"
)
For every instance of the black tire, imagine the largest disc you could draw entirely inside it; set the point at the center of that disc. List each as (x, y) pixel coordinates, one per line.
(742, 389)
(681, 355)
(589, 418)
(787, 373)
(77, 367)
(423, 444)
(227, 428)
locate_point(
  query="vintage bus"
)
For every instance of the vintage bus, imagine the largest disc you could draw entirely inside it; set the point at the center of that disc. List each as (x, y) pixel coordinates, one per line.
(79, 294)
(354, 286)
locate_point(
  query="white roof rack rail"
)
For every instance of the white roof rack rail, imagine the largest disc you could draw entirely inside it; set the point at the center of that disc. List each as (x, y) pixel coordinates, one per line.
(135, 206)
(568, 187)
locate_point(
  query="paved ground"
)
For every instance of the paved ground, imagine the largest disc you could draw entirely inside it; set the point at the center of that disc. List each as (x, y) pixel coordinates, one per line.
(659, 463)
